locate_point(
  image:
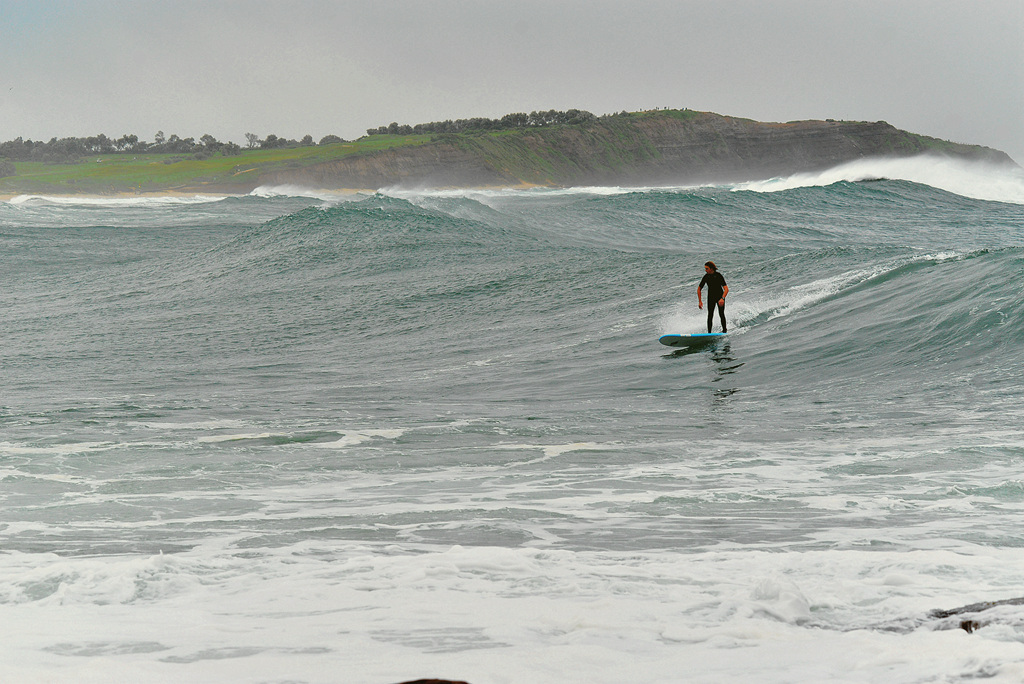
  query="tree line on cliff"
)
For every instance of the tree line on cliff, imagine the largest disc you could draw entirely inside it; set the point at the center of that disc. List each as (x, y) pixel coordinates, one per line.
(72, 149)
(69, 150)
(509, 121)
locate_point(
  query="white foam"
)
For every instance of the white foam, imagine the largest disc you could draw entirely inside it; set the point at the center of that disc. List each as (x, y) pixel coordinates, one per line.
(46, 477)
(285, 190)
(492, 197)
(487, 614)
(10, 449)
(554, 450)
(241, 436)
(977, 180)
(197, 425)
(354, 437)
(99, 201)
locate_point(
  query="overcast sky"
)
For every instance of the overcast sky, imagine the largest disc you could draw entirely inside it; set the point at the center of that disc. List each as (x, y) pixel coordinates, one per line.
(952, 69)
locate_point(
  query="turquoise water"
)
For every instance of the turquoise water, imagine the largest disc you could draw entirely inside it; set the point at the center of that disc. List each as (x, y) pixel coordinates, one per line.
(420, 434)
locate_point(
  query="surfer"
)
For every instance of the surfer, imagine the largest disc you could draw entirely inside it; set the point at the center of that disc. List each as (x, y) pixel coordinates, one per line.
(717, 291)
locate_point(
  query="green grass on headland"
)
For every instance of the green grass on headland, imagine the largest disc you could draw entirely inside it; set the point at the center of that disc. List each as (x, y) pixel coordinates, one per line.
(139, 173)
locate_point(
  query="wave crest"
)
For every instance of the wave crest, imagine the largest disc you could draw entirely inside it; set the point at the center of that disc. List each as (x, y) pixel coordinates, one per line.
(976, 180)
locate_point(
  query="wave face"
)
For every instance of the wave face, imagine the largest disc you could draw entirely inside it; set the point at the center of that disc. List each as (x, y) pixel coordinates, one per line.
(412, 433)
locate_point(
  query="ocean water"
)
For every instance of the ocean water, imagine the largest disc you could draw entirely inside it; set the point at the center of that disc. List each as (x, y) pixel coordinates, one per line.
(303, 437)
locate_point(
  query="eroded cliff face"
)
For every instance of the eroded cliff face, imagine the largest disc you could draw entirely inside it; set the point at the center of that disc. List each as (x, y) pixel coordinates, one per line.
(725, 148)
(436, 165)
(644, 149)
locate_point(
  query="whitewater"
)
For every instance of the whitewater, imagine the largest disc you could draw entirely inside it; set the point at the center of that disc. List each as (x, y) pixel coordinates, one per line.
(303, 436)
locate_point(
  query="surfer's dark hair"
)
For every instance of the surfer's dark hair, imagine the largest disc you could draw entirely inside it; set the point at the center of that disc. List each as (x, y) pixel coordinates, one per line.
(711, 265)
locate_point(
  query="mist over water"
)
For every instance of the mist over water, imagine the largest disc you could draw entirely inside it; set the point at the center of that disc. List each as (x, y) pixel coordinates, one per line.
(297, 435)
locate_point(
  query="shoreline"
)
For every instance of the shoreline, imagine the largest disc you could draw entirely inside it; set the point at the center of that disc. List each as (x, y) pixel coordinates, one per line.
(7, 197)
(212, 193)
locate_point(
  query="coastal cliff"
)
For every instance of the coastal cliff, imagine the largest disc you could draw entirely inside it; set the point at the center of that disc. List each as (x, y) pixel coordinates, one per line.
(643, 148)
(663, 147)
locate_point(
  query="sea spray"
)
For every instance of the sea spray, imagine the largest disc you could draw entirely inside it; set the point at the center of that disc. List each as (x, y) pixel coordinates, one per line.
(974, 179)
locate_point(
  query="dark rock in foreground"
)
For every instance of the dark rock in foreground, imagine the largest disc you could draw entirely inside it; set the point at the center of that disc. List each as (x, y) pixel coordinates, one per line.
(968, 618)
(977, 615)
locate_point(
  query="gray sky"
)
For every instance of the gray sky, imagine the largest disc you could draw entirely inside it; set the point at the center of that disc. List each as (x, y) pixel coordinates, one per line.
(951, 69)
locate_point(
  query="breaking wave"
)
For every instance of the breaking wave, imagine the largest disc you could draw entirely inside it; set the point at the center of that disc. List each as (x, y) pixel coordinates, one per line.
(976, 180)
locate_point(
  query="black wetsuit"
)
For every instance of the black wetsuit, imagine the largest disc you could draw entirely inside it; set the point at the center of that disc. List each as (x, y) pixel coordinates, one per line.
(716, 288)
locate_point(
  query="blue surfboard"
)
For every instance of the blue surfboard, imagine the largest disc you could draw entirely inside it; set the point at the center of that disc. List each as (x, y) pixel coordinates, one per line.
(695, 340)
